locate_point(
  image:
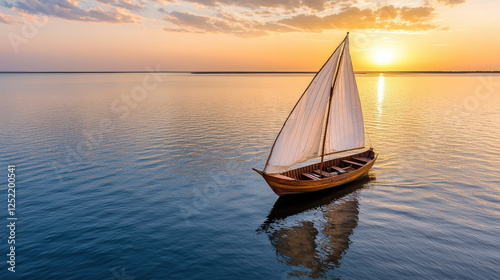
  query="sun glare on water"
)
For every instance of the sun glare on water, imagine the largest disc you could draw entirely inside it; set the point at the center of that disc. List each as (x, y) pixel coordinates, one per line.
(383, 56)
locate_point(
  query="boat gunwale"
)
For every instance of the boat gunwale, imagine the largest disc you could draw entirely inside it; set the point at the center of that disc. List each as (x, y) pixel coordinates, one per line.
(299, 185)
(282, 190)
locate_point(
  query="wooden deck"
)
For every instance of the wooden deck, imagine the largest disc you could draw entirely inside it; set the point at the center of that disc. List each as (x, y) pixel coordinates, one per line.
(311, 178)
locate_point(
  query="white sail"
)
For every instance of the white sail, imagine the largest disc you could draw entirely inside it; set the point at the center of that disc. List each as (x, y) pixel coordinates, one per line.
(345, 125)
(300, 136)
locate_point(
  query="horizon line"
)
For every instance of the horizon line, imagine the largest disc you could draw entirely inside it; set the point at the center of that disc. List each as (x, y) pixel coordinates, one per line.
(247, 72)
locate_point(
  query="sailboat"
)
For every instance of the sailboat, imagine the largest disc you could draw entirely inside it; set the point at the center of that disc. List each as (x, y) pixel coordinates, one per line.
(327, 121)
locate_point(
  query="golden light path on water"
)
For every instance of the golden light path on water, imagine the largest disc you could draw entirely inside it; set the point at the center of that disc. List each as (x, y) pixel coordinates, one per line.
(380, 92)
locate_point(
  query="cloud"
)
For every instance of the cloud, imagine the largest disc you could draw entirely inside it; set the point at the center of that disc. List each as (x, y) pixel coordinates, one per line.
(316, 5)
(224, 22)
(7, 19)
(386, 18)
(69, 9)
(415, 14)
(165, 2)
(126, 4)
(192, 20)
(134, 5)
(306, 22)
(247, 17)
(451, 2)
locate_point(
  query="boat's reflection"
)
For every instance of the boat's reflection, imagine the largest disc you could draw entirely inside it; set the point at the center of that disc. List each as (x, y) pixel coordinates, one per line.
(310, 233)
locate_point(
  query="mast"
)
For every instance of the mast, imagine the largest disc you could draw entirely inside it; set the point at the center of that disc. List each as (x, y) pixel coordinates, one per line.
(330, 104)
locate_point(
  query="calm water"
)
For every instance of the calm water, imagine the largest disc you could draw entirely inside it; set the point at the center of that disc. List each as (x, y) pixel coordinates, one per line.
(118, 178)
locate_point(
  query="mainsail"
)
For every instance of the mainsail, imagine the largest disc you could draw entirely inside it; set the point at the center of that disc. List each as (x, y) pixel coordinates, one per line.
(300, 137)
(345, 125)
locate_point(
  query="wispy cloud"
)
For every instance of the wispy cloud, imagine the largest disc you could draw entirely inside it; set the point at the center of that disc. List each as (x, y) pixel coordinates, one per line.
(126, 4)
(244, 17)
(70, 9)
(316, 5)
(165, 2)
(386, 18)
(223, 22)
(7, 19)
(451, 2)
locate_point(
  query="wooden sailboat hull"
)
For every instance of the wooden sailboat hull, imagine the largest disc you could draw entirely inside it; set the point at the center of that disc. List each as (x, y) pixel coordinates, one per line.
(300, 136)
(294, 181)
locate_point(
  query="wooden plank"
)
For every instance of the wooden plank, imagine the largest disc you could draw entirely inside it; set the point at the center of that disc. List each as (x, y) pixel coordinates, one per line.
(311, 176)
(353, 163)
(350, 169)
(326, 174)
(282, 177)
(363, 159)
(340, 170)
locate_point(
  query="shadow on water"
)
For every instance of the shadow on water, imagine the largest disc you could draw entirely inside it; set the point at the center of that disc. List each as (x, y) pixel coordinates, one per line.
(311, 232)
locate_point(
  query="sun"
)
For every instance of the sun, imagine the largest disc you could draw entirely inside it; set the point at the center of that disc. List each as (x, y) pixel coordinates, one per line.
(383, 56)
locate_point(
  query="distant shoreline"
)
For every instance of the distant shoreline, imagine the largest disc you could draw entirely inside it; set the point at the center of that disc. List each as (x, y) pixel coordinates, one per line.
(245, 72)
(356, 72)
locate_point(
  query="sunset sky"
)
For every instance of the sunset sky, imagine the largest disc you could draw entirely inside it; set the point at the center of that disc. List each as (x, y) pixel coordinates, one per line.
(247, 35)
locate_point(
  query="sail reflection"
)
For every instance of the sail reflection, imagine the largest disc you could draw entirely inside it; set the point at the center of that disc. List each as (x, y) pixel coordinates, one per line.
(310, 233)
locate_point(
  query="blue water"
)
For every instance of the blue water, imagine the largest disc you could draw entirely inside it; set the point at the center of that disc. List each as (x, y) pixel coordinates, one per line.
(119, 178)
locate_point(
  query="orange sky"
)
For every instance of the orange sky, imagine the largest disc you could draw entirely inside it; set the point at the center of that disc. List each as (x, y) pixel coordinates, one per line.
(251, 35)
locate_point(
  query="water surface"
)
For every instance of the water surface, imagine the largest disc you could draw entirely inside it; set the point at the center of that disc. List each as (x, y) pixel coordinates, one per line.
(118, 177)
